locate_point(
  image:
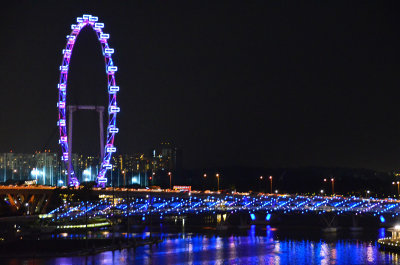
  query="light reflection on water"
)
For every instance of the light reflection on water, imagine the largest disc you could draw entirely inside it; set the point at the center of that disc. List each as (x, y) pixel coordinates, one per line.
(257, 245)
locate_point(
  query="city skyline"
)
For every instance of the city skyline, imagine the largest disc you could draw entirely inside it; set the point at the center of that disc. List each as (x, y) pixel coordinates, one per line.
(47, 168)
(270, 89)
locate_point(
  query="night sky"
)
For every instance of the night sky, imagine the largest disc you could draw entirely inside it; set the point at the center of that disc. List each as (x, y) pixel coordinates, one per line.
(247, 83)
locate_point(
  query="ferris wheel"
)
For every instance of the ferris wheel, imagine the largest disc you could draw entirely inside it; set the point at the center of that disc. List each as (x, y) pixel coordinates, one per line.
(112, 90)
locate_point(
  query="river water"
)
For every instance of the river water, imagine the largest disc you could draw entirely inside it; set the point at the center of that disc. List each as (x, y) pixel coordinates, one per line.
(255, 245)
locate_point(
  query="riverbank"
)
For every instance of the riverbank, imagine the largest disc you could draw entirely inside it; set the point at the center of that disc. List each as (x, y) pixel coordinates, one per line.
(68, 247)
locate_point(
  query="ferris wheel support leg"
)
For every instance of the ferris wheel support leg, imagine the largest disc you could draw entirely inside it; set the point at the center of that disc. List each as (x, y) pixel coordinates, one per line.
(101, 132)
(70, 121)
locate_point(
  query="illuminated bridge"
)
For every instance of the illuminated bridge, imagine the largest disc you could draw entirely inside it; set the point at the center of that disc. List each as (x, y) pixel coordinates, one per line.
(125, 203)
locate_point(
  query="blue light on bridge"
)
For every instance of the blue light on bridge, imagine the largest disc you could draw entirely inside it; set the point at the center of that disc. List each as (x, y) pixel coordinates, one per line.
(268, 217)
(382, 219)
(253, 216)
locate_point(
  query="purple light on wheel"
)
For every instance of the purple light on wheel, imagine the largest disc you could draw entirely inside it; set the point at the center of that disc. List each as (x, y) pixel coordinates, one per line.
(112, 89)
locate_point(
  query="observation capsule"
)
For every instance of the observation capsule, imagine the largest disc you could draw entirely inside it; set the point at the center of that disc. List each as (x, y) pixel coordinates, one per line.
(113, 89)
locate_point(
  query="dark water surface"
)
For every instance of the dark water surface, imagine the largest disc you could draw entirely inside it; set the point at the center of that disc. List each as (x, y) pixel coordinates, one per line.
(256, 245)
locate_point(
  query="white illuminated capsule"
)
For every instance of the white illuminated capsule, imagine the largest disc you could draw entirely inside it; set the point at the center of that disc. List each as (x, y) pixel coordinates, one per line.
(79, 19)
(62, 87)
(65, 156)
(108, 166)
(113, 89)
(99, 25)
(86, 17)
(61, 122)
(111, 149)
(113, 130)
(63, 139)
(108, 51)
(64, 68)
(102, 180)
(112, 69)
(113, 109)
(73, 27)
(104, 36)
(61, 105)
(93, 19)
(71, 37)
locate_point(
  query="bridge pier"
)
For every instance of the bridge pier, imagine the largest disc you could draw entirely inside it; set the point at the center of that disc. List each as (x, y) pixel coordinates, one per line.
(355, 227)
(329, 222)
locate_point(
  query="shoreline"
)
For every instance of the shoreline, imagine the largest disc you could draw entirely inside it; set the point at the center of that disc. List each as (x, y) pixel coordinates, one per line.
(117, 245)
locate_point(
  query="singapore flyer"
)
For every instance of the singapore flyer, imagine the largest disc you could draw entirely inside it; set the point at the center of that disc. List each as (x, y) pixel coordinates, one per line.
(112, 89)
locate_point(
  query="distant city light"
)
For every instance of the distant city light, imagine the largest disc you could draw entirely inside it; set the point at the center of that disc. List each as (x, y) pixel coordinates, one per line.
(35, 173)
(135, 180)
(87, 172)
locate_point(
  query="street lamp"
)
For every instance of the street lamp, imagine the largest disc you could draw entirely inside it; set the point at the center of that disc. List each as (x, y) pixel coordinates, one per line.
(151, 177)
(266, 186)
(270, 178)
(322, 192)
(205, 181)
(333, 185)
(217, 175)
(398, 190)
(123, 174)
(170, 180)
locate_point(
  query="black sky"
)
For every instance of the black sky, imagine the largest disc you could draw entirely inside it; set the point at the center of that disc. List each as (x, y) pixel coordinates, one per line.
(249, 83)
